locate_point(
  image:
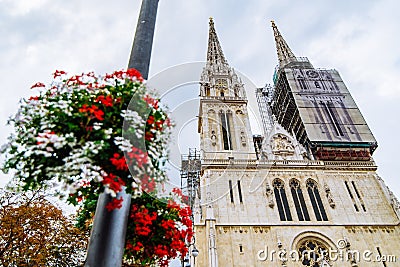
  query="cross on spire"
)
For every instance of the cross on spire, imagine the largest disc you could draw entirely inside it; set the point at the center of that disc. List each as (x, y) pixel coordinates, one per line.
(285, 54)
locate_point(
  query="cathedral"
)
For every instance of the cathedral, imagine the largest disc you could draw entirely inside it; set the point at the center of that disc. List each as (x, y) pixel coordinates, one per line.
(306, 191)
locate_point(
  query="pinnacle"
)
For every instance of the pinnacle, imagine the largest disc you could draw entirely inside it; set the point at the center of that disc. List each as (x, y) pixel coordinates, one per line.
(214, 52)
(283, 50)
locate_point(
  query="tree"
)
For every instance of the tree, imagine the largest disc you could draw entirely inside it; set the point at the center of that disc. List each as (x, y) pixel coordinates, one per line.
(34, 232)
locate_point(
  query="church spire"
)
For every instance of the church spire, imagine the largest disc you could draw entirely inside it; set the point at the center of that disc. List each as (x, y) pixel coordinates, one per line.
(285, 54)
(214, 52)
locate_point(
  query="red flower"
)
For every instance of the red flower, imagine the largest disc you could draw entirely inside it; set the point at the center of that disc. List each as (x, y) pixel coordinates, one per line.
(168, 224)
(116, 203)
(186, 221)
(143, 220)
(38, 84)
(90, 74)
(143, 230)
(161, 251)
(138, 155)
(106, 101)
(76, 79)
(134, 73)
(148, 136)
(159, 125)
(98, 113)
(185, 212)
(84, 108)
(58, 73)
(113, 182)
(150, 119)
(177, 191)
(34, 98)
(91, 85)
(94, 110)
(172, 205)
(138, 246)
(118, 74)
(119, 162)
(151, 101)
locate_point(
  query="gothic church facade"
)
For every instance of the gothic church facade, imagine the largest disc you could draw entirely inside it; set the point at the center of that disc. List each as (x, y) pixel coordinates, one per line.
(306, 188)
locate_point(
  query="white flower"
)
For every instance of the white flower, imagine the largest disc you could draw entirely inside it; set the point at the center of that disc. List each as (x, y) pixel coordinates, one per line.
(97, 125)
(107, 190)
(123, 144)
(108, 133)
(132, 116)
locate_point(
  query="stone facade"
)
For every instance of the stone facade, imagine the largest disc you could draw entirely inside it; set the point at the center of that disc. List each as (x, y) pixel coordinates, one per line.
(243, 228)
(268, 210)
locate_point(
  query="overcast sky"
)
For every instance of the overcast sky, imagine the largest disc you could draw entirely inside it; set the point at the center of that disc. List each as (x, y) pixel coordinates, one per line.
(358, 38)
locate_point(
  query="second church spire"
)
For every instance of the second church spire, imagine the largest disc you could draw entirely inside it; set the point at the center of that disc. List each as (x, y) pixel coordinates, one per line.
(285, 54)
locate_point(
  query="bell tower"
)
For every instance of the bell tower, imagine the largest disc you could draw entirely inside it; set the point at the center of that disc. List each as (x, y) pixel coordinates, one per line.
(223, 124)
(316, 106)
(314, 187)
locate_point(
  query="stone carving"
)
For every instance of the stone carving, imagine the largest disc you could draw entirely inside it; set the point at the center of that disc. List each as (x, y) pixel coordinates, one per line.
(283, 260)
(243, 138)
(213, 138)
(270, 198)
(281, 145)
(329, 196)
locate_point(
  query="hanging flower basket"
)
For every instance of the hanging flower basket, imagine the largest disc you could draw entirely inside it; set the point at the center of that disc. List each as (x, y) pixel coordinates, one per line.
(86, 134)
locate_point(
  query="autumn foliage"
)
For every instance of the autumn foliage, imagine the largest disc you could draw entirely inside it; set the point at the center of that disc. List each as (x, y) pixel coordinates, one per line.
(34, 232)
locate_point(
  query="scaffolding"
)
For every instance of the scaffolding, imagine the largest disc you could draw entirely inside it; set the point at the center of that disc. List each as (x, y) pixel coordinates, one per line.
(190, 174)
(264, 97)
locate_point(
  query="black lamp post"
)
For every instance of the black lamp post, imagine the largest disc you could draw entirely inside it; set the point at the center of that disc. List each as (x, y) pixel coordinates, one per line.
(107, 239)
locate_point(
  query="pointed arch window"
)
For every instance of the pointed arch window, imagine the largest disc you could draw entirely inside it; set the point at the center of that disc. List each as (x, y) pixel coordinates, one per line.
(226, 130)
(236, 91)
(351, 195)
(302, 83)
(316, 201)
(221, 85)
(240, 191)
(207, 90)
(281, 200)
(231, 191)
(331, 112)
(298, 199)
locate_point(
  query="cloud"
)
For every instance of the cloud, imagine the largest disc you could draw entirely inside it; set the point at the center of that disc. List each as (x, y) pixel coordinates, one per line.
(23, 7)
(358, 38)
